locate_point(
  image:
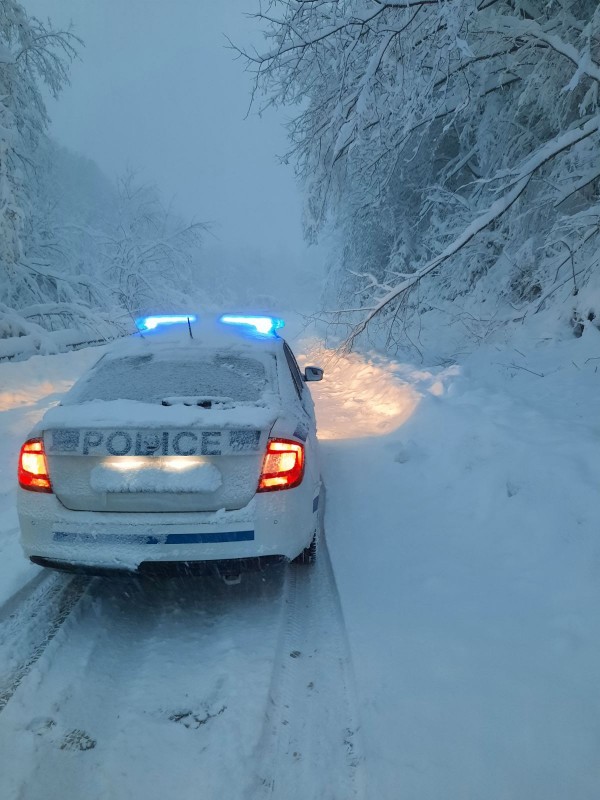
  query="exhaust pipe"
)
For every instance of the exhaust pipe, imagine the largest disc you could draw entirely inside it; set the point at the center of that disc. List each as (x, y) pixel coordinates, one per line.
(230, 577)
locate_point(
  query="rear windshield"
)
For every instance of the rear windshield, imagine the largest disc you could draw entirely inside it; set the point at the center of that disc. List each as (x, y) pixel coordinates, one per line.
(154, 379)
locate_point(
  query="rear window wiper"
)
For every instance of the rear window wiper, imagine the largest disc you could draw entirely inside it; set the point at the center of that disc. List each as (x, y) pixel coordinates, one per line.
(207, 401)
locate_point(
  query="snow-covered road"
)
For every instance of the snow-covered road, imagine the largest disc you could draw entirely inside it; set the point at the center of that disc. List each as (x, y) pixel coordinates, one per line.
(446, 645)
(183, 688)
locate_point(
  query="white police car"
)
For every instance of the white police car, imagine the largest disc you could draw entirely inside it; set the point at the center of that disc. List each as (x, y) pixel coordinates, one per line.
(189, 442)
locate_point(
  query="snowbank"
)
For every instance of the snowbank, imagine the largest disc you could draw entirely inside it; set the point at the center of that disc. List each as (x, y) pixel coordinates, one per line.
(466, 550)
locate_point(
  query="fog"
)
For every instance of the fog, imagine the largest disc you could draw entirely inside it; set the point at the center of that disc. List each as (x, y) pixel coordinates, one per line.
(158, 90)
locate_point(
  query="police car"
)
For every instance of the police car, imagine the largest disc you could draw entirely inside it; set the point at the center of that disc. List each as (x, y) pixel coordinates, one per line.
(188, 442)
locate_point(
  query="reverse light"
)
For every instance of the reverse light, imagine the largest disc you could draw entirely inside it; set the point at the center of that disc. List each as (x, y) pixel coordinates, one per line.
(151, 323)
(268, 326)
(283, 467)
(33, 469)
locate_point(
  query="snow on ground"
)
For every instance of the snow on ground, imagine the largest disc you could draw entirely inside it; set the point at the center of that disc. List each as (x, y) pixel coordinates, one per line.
(466, 550)
(449, 649)
(361, 397)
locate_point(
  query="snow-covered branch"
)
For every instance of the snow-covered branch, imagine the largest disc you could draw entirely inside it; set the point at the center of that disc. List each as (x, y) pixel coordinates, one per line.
(530, 29)
(522, 176)
(422, 125)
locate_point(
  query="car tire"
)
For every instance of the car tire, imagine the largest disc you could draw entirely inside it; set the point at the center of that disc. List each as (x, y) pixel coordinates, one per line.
(309, 554)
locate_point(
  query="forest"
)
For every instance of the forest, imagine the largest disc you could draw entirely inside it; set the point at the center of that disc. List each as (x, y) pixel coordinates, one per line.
(448, 154)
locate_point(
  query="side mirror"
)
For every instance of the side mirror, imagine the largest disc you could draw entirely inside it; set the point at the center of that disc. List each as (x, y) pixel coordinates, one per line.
(313, 374)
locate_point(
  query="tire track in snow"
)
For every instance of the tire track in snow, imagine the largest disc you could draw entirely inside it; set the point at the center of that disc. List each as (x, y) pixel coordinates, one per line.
(309, 745)
(29, 621)
(156, 688)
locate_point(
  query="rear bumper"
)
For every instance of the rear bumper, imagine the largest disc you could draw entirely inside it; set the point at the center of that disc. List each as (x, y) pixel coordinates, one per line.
(166, 568)
(273, 525)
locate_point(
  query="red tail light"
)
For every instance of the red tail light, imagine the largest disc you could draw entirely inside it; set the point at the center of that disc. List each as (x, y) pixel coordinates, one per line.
(33, 469)
(283, 467)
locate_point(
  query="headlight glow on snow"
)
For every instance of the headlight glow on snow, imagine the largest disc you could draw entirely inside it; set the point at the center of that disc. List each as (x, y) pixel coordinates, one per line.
(151, 323)
(264, 325)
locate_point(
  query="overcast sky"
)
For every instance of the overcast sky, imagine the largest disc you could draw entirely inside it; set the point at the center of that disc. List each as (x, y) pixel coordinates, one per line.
(157, 90)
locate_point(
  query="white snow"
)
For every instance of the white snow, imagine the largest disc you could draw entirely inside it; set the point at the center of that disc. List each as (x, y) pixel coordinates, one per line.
(363, 394)
(466, 550)
(462, 524)
(134, 413)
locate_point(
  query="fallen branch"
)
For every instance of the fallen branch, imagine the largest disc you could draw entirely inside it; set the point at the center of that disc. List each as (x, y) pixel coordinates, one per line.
(522, 177)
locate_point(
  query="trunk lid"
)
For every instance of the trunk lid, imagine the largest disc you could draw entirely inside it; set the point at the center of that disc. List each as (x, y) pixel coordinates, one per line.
(155, 470)
(163, 427)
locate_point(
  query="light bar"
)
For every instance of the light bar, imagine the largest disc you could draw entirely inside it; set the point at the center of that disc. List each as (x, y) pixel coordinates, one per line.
(151, 323)
(265, 325)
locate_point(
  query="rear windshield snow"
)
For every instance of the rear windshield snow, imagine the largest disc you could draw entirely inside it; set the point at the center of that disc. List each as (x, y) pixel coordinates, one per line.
(152, 380)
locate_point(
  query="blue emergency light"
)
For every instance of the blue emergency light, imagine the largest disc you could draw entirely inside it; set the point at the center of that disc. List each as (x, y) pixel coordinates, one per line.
(151, 323)
(267, 326)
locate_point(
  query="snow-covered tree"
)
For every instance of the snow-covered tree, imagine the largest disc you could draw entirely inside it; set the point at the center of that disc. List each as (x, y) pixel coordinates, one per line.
(152, 254)
(455, 144)
(107, 251)
(32, 54)
(76, 251)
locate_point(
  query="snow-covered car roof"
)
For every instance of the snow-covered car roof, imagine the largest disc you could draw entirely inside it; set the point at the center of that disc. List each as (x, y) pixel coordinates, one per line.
(202, 337)
(176, 351)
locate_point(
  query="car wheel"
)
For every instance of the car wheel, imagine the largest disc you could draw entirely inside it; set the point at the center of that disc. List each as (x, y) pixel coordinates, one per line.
(309, 554)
